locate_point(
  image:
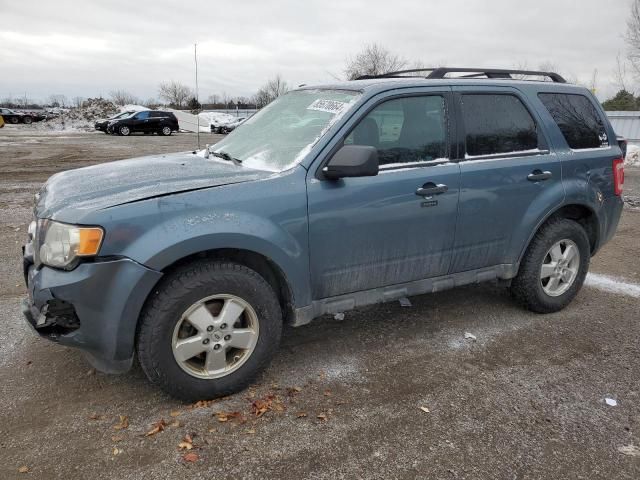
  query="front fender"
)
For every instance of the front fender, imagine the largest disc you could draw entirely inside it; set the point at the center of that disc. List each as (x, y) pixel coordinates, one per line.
(266, 219)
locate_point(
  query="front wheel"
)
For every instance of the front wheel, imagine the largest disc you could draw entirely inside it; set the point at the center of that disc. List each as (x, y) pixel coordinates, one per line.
(27, 120)
(208, 330)
(554, 267)
(124, 131)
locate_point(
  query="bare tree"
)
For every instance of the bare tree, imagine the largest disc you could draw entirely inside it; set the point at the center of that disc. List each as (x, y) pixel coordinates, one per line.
(58, 100)
(633, 36)
(175, 93)
(213, 99)
(78, 101)
(620, 74)
(122, 97)
(374, 59)
(270, 91)
(151, 103)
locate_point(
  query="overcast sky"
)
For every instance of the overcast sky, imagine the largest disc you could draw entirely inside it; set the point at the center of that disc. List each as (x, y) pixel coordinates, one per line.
(86, 48)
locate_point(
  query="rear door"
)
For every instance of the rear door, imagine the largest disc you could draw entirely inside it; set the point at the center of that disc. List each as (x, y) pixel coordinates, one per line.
(378, 231)
(508, 174)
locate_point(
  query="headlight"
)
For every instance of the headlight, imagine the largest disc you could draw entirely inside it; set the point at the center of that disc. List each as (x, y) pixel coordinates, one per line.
(61, 245)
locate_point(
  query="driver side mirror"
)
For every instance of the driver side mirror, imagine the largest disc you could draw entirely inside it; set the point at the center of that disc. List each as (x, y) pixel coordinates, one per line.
(352, 161)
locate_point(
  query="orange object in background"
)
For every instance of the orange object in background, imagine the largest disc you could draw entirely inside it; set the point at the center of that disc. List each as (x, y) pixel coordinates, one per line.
(1, 121)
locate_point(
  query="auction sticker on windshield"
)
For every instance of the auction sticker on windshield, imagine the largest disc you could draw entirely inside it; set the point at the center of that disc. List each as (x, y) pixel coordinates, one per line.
(330, 106)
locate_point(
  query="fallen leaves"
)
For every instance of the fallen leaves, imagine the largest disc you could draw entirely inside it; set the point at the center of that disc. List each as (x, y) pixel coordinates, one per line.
(322, 416)
(23, 469)
(261, 406)
(190, 457)
(122, 424)
(425, 409)
(186, 443)
(157, 428)
(301, 414)
(226, 416)
(175, 413)
(201, 404)
(95, 416)
(117, 451)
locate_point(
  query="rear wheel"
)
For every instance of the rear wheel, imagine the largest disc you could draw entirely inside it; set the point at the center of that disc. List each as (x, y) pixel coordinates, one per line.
(124, 131)
(27, 119)
(208, 330)
(166, 131)
(13, 120)
(554, 267)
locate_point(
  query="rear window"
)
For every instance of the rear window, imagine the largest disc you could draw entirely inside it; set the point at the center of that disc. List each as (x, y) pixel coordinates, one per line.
(497, 124)
(577, 118)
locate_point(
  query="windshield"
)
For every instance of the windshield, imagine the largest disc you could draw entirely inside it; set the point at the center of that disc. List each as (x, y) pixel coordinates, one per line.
(122, 115)
(282, 133)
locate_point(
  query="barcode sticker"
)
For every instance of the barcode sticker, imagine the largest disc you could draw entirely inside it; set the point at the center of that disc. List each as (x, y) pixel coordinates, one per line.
(330, 106)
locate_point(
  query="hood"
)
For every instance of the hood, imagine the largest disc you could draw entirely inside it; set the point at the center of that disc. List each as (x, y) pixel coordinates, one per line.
(125, 181)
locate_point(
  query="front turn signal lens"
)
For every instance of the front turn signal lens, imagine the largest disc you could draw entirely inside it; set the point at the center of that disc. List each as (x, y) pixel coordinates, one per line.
(90, 241)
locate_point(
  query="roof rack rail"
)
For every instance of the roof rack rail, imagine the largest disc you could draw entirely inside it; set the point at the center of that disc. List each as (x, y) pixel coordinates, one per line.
(493, 73)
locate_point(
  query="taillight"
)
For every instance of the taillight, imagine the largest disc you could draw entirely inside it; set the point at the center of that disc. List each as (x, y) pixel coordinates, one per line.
(618, 175)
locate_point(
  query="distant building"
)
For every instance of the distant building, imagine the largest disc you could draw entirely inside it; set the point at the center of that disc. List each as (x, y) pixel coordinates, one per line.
(626, 124)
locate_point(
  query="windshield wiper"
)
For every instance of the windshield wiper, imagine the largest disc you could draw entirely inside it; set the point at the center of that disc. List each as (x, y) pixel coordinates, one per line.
(226, 156)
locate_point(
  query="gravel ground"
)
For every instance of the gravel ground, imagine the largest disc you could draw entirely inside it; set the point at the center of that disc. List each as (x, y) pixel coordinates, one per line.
(526, 399)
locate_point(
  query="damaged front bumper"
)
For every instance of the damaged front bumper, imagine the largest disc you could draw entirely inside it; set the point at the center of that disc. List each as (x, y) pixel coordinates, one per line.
(94, 307)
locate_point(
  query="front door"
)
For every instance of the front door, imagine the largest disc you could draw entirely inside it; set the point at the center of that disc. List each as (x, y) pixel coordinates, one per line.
(395, 227)
(507, 172)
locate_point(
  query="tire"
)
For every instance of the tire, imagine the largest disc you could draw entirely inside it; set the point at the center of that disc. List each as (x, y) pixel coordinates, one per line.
(27, 120)
(13, 120)
(529, 288)
(165, 131)
(163, 318)
(124, 131)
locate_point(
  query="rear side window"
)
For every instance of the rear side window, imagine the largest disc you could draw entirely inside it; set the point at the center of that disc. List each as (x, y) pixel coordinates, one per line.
(577, 118)
(497, 124)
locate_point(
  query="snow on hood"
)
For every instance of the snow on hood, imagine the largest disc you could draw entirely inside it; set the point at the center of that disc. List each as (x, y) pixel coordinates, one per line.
(125, 181)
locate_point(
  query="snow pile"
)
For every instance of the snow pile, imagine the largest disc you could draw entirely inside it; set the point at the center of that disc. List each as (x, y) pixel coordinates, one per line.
(633, 156)
(82, 118)
(133, 108)
(216, 119)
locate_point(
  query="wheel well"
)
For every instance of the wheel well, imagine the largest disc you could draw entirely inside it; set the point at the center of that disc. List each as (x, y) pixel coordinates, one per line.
(585, 217)
(265, 267)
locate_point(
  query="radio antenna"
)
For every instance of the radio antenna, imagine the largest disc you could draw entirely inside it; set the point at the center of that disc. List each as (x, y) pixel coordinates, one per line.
(195, 58)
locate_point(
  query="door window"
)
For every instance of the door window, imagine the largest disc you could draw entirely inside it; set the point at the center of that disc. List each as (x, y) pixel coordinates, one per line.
(142, 115)
(497, 124)
(577, 118)
(405, 130)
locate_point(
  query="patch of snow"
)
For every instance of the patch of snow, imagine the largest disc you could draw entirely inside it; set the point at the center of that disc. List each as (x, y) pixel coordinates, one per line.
(632, 158)
(133, 108)
(217, 119)
(612, 285)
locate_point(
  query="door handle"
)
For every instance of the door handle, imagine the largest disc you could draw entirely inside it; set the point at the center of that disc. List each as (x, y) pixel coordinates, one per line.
(431, 188)
(539, 176)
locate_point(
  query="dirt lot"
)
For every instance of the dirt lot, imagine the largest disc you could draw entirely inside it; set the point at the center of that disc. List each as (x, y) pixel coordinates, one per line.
(525, 400)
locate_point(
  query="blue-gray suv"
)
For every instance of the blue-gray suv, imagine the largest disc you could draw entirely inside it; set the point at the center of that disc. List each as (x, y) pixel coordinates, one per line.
(330, 198)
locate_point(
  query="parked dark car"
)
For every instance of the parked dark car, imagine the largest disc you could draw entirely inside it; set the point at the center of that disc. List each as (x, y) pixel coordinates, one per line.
(330, 198)
(147, 121)
(228, 127)
(103, 123)
(11, 116)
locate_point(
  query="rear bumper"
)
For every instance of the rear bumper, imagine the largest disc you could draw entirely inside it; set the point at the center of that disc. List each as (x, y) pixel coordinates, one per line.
(94, 307)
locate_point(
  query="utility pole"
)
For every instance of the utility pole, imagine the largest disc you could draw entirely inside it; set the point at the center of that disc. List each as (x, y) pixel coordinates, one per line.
(195, 58)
